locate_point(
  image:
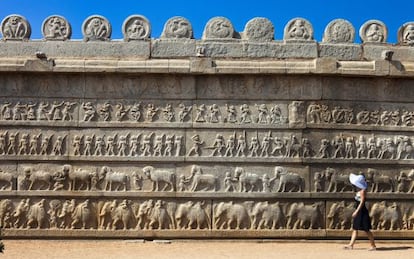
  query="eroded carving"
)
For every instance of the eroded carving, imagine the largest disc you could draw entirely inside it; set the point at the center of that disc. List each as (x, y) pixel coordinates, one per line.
(218, 28)
(15, 27)
(56, 27)
(259, 29)
(339, 31)
(177, 28)
(96, 28)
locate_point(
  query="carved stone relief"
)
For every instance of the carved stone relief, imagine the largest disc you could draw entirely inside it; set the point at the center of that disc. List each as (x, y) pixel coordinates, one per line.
(339, 31)
(259, 29)
(136, 27)
(96, 28)
(15, 27)
(373, 31)
(56, 27)
(177, 27)
(218, 28)
(298, 29)
(406, 34)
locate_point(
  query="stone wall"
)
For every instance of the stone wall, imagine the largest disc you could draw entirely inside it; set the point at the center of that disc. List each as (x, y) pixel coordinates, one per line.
(231, 136)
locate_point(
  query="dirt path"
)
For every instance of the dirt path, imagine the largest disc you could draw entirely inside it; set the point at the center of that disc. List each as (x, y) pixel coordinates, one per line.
(120, 249)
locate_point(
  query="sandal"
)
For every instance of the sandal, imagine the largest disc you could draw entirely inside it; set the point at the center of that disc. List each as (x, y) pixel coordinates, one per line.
(348, 247)
(374, 248)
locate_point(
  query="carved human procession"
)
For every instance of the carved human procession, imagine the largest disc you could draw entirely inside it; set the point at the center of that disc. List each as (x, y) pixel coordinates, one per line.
(137, 27)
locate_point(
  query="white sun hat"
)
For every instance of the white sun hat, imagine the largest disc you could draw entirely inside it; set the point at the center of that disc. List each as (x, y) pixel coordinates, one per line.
(358, 181)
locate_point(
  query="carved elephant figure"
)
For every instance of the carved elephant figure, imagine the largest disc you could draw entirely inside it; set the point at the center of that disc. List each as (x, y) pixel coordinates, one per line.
(157, 176)
(288, 182)
(379, 183)
(207, 181)
(7, 178)
(337, 182)
(304, 216)
(268, 216)
(386, 217)
(231, 216)
(191, 215)
(143, 214)
(340, 215)
(113, 181)
(77, 176)
(122, 215)
(248, 182)
(84, 215)
(37, 215)
(159, 217)
(41, 176)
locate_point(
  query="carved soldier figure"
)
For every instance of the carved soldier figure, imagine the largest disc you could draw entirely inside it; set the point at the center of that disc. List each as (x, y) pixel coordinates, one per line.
(349, 147)
(58, 146)
(266, 145)
(33, 146)
(136, 111)
(245, 116)
(196, 148)
(105, 111)
(241, 146)
(44, 145)
(66, 111)
(12, 149)
(214, 113)
(278, 147)
(123, 145)
(3, 143)
(158, 145)
(183, 183)
(147, 144)
(18, 111)
(254, 147)
(42, 112)
(121, 112)
(230, 146)
(184, 111)
(307, 150)
(372, 147)
(110, 145)
(151, 112)
(55, 111)
(169, 114)
(275, 115)
(324, 149)
(362, 147)
(318, 179)
(229, 182)
(169, 145)
(266, 181)
(218, 146)
(200, 113)
(89, 111)
(263, 114)
(88, 145)
(23, 144)
(231, 114)
(134, 146)
(178, 145)
(339, 145)
(100, 146)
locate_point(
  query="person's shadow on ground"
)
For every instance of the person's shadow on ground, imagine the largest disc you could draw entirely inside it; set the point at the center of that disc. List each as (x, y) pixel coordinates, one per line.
(392, 248)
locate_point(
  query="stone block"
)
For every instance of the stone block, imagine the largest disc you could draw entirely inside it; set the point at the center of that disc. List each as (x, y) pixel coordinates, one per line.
(173, 48)
(221, 48)
(340, 51)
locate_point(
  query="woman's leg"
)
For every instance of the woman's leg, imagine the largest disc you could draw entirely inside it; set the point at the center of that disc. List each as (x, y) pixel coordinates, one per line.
(352, 241)
(371, 239)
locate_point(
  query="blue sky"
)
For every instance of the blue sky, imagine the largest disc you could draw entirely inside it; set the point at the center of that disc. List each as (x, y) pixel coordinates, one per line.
(318, 12)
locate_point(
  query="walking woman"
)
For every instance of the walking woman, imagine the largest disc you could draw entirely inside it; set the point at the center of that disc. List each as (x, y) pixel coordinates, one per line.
(361, 220)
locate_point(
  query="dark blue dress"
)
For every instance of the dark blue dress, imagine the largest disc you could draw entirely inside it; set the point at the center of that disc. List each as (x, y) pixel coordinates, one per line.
(362, 220)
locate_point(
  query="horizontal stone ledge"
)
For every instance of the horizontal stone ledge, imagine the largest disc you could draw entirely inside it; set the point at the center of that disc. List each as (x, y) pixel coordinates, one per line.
(326, 66)
(206, 195)
(202, 233)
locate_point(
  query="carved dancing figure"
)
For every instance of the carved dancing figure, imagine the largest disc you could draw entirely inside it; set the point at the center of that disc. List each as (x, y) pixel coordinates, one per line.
(105, 111)
(121, 112)
(245, 116)
(168, 112)
(200, 113)
(184, 111)
(151, 112)
(89, 111)
(231, 114)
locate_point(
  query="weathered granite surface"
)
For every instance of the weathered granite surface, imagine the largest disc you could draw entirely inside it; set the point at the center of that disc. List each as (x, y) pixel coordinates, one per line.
(234, 135)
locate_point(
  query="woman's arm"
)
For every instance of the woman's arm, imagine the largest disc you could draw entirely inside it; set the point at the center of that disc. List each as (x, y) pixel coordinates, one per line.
(361, 203)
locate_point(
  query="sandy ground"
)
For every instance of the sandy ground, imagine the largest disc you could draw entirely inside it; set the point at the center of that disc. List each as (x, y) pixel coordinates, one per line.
(125, 249)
